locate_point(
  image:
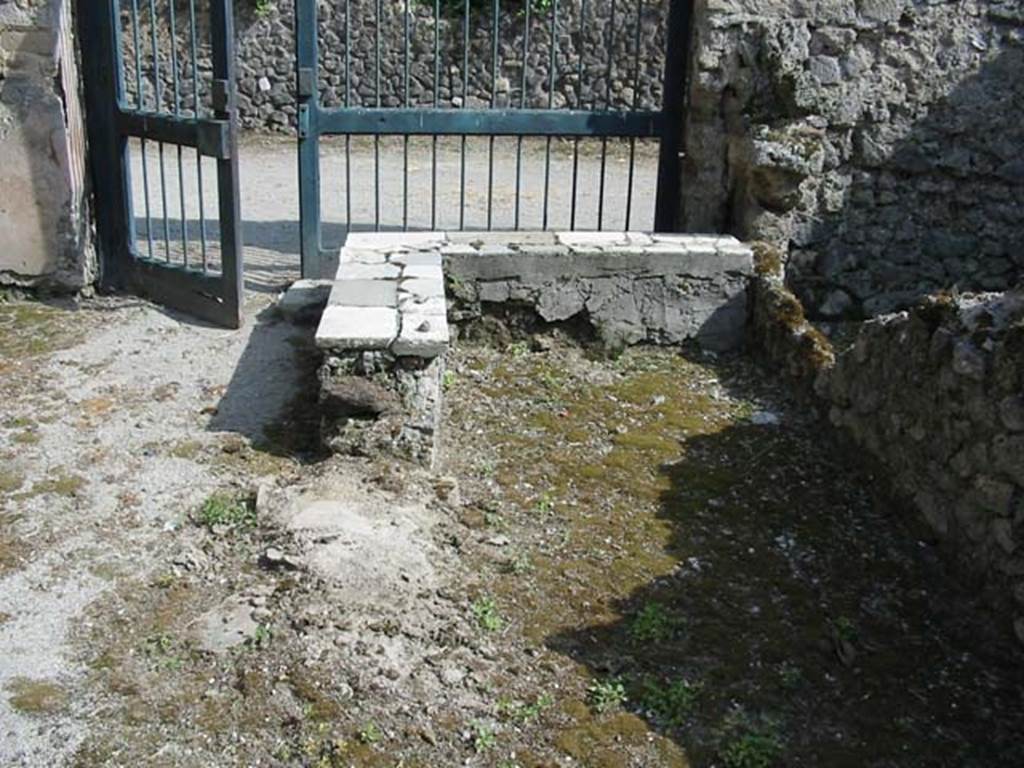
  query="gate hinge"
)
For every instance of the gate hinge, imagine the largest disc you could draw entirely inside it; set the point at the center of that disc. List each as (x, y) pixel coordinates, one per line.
(307, 82)
(303, 120)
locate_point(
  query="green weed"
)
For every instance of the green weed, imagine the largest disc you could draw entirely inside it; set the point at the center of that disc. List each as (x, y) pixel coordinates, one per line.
(525, 713)
(221, 509)
(653, 624)
(488, 618)
(370, 734)
(606, 695)
(484, 739)
(671, 703)
(545, 505)
(750, 743)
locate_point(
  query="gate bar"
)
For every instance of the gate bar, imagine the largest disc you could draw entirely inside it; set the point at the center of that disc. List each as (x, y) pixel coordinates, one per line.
(225, 104)
(309, 136)
(369, 121)
(664, 124)
(670, 167)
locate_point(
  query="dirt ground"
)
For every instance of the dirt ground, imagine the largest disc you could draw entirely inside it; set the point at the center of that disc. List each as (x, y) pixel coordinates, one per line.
(656, 560)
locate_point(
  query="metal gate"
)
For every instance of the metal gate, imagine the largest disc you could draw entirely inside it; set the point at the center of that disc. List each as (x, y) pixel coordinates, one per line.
(160, 96)
(359, 113)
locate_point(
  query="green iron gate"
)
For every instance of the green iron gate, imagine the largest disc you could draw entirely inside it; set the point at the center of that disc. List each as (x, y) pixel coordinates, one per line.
(158, 117)
(600, 120)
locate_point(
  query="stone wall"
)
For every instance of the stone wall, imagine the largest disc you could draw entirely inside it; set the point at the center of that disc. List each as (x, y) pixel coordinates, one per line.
(43, 222)
(266, 59)
(937, 395)
(876, 142)
(934, 396)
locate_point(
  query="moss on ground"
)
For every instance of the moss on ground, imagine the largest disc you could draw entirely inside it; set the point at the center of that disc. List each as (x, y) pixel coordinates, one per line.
(643, 482)
(31, 329)
(36, 697)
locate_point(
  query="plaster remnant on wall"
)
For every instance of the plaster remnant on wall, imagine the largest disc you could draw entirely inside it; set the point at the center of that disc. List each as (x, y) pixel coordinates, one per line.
(44, 228)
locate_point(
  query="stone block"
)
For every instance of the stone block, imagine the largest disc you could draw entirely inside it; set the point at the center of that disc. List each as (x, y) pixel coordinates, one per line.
(421, 335)
(433, 305)
(396, 240)
(422, 288)
(424, 272)
(361, 255)
(409, 259)
(361, 271)
(501, 238)
(577, 240)
(364, 293)
(357, 328)
(458, 249)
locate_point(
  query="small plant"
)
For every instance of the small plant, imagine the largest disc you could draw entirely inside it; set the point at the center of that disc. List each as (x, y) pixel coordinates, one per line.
(653, 624)
(263, 8)
(518, 565)
(448, 380)
(519, 349)
(671, 703)
(370, 734)
(161, 644)
(545, 505)
(484, 739)
(846, 629)
(523, 712)
(750, 743)
(549, 380)
(233, 512)
(162, 648)
(261, 638)
(790, 675)
(606, 695)
(485, 610)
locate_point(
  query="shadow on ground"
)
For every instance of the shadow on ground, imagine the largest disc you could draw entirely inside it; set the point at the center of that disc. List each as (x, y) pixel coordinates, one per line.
(271, 399)
(801, 612)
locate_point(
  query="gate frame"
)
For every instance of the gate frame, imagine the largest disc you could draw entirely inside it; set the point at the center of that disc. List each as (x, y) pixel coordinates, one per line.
(110, 122)
(314, 121)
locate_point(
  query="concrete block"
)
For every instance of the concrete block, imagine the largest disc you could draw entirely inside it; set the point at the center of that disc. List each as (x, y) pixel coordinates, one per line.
(357, 328)
(364, 293)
